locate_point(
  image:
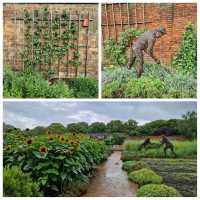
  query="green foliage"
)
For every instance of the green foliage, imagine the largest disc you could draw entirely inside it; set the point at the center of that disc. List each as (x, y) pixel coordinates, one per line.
(115, 126)
(18, 184)
(115, 139)
(77, 187)
(145, 176)
(32, 85)
(56, 128)
(97, 127)
(156, 81)
(133, 165)
(57, 160)
(157, 190)
(112, 90)
(84, 87)
(145, 88)
(185, 61)
(117, 51)
(183, 149)
(79, 127)
(48, 45)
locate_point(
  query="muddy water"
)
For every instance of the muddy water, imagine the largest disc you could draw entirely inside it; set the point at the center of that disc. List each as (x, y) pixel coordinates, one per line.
(110, 180)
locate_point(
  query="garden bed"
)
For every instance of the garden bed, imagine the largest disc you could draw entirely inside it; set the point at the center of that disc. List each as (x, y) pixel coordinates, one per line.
(178, 173)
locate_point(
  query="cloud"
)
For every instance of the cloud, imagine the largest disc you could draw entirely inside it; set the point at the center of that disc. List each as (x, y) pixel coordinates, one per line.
(30, 114)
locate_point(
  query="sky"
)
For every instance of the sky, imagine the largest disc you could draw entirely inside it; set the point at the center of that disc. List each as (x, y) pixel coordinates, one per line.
(42, 113)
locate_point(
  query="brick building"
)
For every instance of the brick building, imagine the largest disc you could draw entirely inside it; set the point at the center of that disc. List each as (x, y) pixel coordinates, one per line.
(173, 16)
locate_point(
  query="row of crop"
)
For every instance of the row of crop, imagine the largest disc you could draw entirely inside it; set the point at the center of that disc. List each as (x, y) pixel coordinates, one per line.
(57, 164)
(150, 184)
(156, 82)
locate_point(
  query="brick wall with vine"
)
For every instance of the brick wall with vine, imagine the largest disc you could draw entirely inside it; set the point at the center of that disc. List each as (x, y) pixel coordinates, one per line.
(118, 17)
(54, 38)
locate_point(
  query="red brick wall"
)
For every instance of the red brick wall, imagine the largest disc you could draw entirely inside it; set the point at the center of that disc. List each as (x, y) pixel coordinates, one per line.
(174, 17)
(13, 34)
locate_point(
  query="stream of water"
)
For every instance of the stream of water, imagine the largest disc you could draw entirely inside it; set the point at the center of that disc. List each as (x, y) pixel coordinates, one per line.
(110, 180)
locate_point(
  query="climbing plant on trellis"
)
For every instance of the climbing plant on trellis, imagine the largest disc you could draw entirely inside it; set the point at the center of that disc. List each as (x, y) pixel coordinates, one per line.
(49, 41)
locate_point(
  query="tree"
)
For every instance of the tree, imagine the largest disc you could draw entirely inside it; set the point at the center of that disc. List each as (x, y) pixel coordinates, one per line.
(188, 125)
(97, 127)
(80, 127)
(115, 126)
(131, 127)
(56, 128)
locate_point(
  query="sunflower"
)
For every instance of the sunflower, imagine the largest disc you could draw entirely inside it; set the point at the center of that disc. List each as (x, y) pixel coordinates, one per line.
(8, 147)
(29, 141)
(50, 137)
(43, 149)
(62, 139)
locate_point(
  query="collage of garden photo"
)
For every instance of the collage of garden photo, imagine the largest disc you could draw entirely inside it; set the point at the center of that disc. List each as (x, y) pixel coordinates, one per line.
(99, 99)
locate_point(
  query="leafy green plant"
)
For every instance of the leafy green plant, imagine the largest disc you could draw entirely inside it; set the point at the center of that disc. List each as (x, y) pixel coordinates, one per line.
(112, 90)
(32, 85)
(156, 82)
(56, 161)
(145, 87)
(157, 190)
(84, 87)
(185, 61)
(19, 184)
(145, 176)
(133, 165)
(116, 51)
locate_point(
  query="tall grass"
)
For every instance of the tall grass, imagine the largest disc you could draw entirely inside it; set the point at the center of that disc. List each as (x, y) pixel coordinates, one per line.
(183, 149)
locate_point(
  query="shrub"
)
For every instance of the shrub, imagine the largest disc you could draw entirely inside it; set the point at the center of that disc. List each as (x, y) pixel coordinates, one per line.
(186, 58)
(116, 51)
(145, 176)
(112, 89)
(77, 187)
(157, 190)
(19, 184)
(131, 165)
(145, 87)
(84, 87)
(32, 85)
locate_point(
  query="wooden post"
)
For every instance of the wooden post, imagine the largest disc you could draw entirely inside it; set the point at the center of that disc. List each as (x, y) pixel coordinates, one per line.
(15, 38)
(32, 31)
(143, 9)
(107, 21)
(78, 32)
(128, 14)
(68, 49)
(120, 10)
(87, 40)
(51, 18)
(113, 16)
(23, 43)
(59, 46)
(135, 8)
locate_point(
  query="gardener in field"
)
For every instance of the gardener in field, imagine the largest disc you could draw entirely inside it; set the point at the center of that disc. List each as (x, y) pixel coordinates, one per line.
(146, 142)
(145, 43)
(167, 145)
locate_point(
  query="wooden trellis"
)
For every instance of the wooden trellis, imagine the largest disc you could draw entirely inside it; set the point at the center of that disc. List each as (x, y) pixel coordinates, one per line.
(109, 11)
(83, 33)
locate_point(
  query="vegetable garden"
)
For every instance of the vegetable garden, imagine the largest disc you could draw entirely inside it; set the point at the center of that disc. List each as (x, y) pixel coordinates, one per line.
(49, 56)
(178, 81)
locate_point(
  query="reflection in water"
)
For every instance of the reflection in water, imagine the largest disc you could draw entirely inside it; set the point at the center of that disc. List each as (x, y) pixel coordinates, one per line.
(111, 180)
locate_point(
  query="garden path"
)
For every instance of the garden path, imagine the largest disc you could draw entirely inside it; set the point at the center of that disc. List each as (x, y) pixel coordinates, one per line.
(110, 180)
